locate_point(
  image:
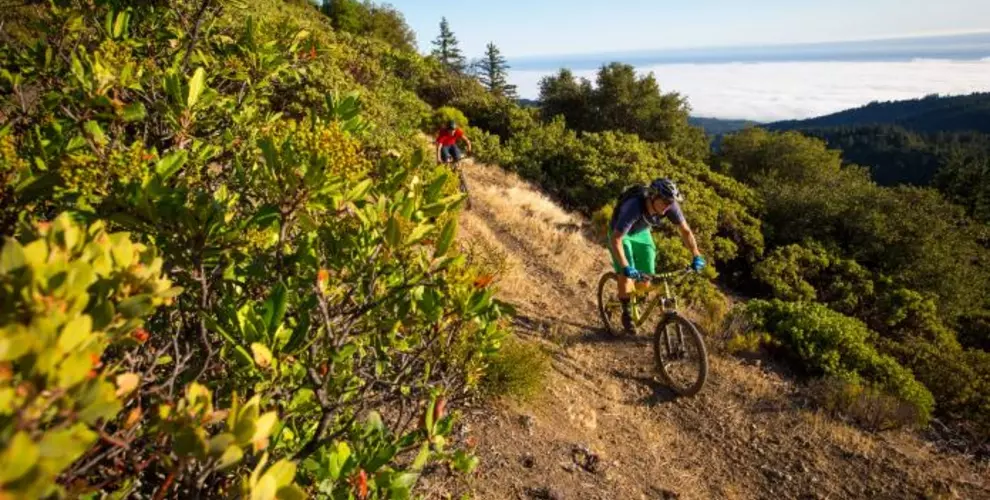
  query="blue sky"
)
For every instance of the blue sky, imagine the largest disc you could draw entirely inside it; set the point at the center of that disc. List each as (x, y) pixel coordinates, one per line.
(544, 27)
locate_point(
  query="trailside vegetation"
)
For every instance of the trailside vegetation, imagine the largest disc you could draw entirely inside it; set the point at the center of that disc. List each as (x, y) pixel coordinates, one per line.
(227, 264)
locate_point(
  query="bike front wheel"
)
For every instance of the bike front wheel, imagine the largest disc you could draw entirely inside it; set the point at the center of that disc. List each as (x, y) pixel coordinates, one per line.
(680, 355)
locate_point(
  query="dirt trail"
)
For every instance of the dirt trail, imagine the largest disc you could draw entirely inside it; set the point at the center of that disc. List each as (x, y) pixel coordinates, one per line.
(603, 429)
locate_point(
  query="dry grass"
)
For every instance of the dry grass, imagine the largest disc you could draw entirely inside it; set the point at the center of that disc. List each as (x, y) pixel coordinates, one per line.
(546, 231)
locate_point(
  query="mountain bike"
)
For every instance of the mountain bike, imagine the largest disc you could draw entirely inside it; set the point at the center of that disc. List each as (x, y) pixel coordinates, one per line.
(679, 351)
(455, 165)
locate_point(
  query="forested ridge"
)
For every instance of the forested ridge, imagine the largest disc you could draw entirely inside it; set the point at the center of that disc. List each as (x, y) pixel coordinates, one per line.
(229, 266)
(933, 113)
(937, 141)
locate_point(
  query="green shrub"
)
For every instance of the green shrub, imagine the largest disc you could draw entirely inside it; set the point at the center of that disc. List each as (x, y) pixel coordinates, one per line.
(72, 300)
(442, 115)
(747, 342)
(864, 405)
(517, 371)
(811, 273)
(824, 342)
(589, 171)
(958, 378)
(318, 272)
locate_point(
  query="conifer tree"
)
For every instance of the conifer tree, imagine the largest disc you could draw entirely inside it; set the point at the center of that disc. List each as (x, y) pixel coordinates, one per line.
(493, 72)
(446, 50)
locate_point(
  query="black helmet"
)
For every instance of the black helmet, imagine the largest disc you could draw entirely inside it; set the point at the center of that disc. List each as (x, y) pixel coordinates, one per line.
(666, 189)
(451, 124)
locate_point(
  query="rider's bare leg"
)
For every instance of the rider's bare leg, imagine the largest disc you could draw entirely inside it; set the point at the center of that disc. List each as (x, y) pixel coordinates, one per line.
(626, 287)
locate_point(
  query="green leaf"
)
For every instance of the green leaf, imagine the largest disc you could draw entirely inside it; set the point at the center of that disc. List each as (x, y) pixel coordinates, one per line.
(465, 463)
(435, 189)
(338, 459)
(59, 448)
(358, 192)
(232, 456)
(291, 492)
(275, 307)
(264, 217)
(283, 471)
(374, 422)
(270, 152)
(20, 457)
(120, 25)
(169, 165)
(265, 489)
(298, 334)
(422, 457)
(263, 427)
(392, 234)
(418, 233)
(402, 484)
(246, 418)
(220, 443)
(446, 238)
(196, 85)
(137, 306)
(133, 112)
(74, 333)
(262, 355)
(12, 256)
(95, 132)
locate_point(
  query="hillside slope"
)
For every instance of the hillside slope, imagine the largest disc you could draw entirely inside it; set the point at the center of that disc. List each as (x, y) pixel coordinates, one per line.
(928, 114)
(749, 434)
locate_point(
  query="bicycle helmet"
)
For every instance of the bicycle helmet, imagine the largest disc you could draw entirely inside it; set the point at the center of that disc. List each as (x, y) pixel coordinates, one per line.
(451, 124)
(666, 189)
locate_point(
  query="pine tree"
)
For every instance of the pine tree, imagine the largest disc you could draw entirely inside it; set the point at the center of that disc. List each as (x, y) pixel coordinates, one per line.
(446, 50)
(493, 72)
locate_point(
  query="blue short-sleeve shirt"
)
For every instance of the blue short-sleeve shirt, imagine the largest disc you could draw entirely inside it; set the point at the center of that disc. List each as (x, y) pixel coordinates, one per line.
(631, 216)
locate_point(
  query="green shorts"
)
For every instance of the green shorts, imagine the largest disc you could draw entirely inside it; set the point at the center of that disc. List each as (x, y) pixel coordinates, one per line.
(640, 250)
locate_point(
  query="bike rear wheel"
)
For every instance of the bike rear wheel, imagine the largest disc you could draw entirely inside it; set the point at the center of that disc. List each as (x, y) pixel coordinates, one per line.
(609, 307)
(680, 355)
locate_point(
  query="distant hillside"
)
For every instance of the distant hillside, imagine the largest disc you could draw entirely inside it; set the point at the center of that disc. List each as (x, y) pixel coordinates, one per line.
(929, 114)
(956, 163)
(718, 126)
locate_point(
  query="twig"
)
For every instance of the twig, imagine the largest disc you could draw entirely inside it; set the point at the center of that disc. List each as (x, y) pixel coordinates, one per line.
(195, 33)
(114, 441)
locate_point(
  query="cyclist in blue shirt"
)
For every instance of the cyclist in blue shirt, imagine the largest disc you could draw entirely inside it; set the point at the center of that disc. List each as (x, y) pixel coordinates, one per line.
(631, 243)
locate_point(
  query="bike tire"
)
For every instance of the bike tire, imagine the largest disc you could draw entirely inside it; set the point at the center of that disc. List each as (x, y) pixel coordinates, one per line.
(660, 346)
(464, 187)
(603, 283)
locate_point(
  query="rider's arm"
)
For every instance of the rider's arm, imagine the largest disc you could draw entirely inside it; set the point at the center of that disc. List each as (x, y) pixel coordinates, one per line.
(616, 244)
(468, 142)
(439, 158)
(687, 236)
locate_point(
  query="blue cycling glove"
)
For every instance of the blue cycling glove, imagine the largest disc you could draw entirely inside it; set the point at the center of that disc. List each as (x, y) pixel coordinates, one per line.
(698, 263)
(632, 273)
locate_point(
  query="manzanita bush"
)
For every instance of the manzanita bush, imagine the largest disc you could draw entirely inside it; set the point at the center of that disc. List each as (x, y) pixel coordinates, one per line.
(208, 288)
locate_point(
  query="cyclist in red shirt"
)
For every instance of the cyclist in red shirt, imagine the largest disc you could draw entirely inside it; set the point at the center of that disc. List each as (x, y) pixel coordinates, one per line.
(447, 143)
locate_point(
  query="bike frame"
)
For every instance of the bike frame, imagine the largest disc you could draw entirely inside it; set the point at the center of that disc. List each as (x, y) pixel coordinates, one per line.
(667, 300)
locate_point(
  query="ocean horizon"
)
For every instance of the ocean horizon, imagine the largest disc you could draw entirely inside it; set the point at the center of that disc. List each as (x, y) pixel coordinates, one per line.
(770, 83)
(959, 47)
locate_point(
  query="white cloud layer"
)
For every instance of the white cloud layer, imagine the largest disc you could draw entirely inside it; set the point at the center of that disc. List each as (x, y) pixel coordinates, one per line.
(780, 91)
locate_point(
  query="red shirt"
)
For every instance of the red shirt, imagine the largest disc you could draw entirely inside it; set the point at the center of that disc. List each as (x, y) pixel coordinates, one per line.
(448, 138)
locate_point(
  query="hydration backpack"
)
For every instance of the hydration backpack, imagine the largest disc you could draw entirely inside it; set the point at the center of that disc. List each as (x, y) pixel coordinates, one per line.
(635, 191)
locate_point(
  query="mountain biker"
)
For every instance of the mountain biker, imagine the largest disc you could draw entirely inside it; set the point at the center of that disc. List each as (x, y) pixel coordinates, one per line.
(447, 142)
(631, 243)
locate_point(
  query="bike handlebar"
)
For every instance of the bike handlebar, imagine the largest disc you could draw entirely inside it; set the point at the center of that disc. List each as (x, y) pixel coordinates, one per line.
(669, 275)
